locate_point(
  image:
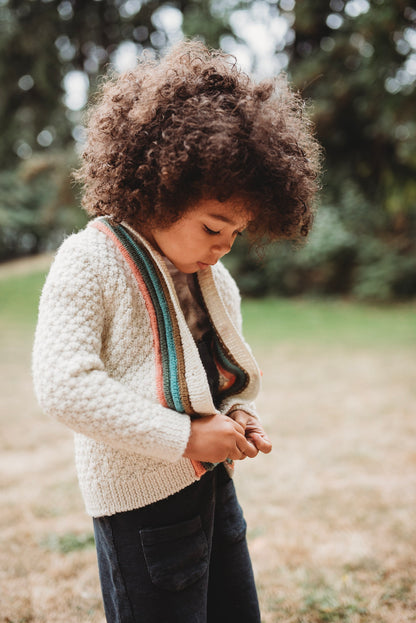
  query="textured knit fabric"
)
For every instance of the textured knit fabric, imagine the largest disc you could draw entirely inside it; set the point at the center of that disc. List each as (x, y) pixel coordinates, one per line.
(97, 368)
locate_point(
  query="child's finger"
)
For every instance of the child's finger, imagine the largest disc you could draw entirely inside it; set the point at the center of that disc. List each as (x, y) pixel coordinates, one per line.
(241, 417)
(261, 442)
(247, 448)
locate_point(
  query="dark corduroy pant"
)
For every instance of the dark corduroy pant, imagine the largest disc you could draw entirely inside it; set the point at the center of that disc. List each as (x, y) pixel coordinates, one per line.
(183, 559)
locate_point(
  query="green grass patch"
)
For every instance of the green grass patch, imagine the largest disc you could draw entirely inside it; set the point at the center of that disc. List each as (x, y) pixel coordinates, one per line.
(19, 299)
(323, 603)
(329, 322)
(266, 321)
(326, 608)
(69, 542)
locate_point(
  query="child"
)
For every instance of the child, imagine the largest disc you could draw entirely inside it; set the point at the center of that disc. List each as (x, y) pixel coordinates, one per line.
(138, 347)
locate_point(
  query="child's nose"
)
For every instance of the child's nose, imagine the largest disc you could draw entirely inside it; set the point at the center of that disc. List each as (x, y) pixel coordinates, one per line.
(222, 248)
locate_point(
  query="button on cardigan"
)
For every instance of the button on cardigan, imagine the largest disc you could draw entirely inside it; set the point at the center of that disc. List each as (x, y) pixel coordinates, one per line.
(98, 367)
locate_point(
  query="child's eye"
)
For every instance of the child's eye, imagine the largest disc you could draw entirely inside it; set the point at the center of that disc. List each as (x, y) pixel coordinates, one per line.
(211, 232)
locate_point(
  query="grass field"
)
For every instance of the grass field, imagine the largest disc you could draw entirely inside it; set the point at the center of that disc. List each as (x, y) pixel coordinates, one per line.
(331, 511)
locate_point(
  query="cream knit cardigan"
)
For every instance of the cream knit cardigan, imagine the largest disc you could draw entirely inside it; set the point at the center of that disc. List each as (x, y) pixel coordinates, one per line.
(94, 369)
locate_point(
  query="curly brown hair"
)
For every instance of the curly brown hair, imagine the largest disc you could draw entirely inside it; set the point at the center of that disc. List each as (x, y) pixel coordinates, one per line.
(192, 126)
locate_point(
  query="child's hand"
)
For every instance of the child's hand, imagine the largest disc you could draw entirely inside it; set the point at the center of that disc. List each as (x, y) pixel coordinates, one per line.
(253, 429)
(215, 438)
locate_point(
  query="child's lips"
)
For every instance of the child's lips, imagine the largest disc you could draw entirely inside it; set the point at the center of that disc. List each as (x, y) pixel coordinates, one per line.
(203, 265)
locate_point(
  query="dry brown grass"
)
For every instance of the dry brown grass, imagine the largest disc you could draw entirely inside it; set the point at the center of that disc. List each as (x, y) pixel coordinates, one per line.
(331, 511)
(40, 503)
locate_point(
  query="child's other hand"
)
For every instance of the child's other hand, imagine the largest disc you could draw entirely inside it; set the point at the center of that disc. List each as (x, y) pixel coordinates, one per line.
(253, 429)
(215, 438)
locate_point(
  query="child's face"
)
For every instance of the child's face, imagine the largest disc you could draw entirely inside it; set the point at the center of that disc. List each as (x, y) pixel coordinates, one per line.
(203, 235)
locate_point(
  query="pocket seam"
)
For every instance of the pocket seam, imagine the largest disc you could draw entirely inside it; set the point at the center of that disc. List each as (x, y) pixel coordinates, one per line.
(167, 569)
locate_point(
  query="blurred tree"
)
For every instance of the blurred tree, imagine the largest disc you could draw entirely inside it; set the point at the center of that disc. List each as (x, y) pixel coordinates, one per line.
(357, 61)
(37, 204)
(45, 43)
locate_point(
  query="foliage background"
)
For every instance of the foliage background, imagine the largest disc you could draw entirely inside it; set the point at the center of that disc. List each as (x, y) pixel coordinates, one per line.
(354, 61)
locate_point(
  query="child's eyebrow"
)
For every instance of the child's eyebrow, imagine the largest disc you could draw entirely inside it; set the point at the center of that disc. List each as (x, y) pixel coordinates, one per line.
(223, 218)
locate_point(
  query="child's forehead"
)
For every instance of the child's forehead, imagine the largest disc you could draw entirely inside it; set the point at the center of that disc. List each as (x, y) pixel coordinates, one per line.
(232, 211)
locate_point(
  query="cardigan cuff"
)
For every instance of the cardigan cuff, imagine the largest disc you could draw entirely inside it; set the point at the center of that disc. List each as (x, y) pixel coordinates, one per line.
(246, 407)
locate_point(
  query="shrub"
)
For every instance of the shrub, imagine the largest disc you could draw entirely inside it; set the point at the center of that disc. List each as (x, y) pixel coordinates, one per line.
(354, 249)
(37, 206)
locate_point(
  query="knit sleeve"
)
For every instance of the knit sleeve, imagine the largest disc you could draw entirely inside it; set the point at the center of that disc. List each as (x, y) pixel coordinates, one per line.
(70, 379)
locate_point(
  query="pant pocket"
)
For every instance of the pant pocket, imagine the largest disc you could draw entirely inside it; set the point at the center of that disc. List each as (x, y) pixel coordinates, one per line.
(177, 555)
